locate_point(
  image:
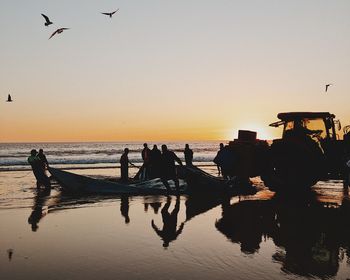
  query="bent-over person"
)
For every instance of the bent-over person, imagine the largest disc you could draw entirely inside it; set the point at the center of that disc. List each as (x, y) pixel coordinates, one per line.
(169, 168)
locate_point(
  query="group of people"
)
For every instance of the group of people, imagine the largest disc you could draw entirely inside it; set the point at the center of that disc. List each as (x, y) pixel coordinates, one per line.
(39, 164)
(157, 164)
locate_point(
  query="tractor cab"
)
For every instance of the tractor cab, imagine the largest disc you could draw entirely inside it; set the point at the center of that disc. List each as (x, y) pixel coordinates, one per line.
(318, 125)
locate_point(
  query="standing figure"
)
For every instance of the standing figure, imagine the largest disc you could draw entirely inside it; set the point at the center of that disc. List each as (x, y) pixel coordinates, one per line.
(218, 160)
(124, 166)
(146, 156)
(38, 170)
(43, 159)
(169, 169)
(155, 162)
(188, 155)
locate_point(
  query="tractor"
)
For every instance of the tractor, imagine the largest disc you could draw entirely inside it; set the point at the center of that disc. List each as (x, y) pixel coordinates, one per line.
(310, 150)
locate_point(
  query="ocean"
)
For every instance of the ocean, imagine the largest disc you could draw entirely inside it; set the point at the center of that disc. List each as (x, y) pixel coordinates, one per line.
(13, 156)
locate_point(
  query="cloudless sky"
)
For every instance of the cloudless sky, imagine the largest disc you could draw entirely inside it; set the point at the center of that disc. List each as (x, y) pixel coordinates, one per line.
(169, 70)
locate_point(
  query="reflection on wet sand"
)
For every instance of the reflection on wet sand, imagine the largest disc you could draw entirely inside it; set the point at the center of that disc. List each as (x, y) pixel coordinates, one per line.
(313, 236)
(198, 204)
(38, 212)
(169, 231)
(10, 254)
(154, 203)
(124, 208)
(311, 230)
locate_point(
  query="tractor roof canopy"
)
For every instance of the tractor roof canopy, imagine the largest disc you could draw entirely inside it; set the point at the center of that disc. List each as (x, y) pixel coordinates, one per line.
(304, 115)
(290, 116)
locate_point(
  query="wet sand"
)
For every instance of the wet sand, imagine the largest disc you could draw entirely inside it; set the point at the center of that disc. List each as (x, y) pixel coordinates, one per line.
(54, 236)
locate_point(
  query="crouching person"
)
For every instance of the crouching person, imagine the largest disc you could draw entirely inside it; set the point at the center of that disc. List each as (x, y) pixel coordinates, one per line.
(38, 170)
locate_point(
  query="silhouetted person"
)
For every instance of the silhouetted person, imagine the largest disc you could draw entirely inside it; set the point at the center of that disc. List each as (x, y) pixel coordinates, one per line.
(155, 163)
(169, 231)
(217, 160)
(124, 208)
(169, 168)
(146, 157)
(124, 166)
(43, 159)
(38, 170)
(188, 155)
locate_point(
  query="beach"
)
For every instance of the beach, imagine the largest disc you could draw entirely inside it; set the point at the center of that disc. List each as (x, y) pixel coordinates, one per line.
(52, 235)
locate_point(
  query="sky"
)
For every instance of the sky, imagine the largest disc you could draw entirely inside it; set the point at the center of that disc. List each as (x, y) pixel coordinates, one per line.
(169, 70)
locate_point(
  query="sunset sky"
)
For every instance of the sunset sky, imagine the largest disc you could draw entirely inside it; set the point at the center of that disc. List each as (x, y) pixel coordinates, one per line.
(169, 70)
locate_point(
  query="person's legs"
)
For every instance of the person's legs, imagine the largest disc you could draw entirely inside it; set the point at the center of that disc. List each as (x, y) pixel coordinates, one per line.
(177, 184)
(166, 184)
(124, 172)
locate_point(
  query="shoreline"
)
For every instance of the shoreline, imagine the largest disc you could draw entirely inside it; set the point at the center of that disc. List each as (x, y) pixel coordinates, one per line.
(88, 167)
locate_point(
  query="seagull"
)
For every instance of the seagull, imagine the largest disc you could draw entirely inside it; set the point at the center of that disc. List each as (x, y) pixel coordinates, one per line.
(9, 99)
(111, 14)
(327, 86)
(58, 31)
(48, 22)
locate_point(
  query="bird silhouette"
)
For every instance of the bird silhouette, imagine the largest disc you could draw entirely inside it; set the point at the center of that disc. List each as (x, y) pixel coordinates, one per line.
(327, 86)
(48, 22)
(111, 14)
(58, 31)
(9, 99)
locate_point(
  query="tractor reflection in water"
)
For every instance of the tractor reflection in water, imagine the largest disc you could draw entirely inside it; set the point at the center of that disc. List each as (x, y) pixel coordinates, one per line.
(313, 237)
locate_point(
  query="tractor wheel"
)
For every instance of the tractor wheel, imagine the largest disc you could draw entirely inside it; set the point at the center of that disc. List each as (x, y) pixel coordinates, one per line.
(293, 166)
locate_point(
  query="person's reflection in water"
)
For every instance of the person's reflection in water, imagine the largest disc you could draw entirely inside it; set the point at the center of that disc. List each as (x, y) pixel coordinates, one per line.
(169, 232)
(124, 208)
(10, 254)
(37, 213)
(156, 206)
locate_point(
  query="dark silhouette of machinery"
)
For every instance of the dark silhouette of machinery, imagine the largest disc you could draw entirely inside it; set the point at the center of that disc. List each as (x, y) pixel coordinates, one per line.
(310, 150)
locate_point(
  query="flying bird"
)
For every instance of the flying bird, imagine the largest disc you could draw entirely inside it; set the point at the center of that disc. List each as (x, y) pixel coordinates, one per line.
(48, 22)
(327, 86)
(111, 14)
(58, 31)
(9, 99)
